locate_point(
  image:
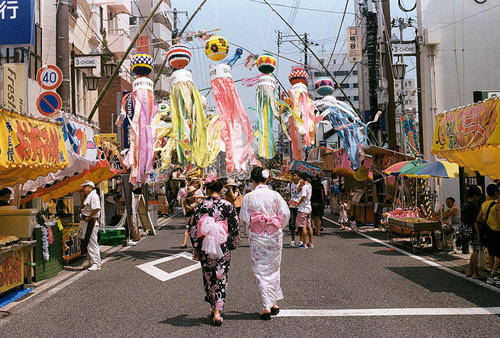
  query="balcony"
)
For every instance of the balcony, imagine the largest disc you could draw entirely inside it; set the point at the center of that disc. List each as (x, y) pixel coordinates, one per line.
(117, 6)
(163, 87)
(161, 15)
(161, 35)
(118, 41)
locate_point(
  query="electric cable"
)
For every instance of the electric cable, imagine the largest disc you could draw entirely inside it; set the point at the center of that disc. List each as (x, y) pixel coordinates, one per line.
(338, 33)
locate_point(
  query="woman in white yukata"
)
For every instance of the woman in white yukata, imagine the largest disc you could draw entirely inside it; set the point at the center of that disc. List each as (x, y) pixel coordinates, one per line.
(264, 213)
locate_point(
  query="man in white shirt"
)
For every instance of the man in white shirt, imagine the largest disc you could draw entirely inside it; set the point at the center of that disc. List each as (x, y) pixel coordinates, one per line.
(304, 213)
(89, 226)
(293, 204)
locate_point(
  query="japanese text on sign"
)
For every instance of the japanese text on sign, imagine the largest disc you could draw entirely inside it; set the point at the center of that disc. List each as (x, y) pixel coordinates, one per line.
(354, 52)
(8, 9)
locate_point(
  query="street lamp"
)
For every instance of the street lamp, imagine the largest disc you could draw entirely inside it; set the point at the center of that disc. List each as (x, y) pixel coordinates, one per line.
(92, 82)
(109, 68)
(399, 70)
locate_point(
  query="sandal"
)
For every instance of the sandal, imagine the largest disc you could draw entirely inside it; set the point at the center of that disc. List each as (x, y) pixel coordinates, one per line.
(275, 310)
(217, 322)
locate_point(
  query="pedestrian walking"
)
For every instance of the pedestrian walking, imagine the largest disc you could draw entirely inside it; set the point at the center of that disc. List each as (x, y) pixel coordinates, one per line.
(189, 204)
(317, 204)
(233, 194)
(293, 205)
(343, 219)
(264, 213)
(214, 233)
(470, 212)
(304, 214)
(89, 225)
(489, 231)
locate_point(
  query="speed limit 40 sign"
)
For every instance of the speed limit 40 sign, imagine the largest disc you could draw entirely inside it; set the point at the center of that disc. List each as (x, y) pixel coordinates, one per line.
(49, 77)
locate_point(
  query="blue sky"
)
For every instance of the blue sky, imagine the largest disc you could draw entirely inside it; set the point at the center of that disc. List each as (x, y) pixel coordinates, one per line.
(253, 25)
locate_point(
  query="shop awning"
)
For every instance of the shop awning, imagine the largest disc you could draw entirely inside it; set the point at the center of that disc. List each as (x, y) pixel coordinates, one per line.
(82, 152)
(470, 136)
(29, 148)
(304, 167)
(109, 165)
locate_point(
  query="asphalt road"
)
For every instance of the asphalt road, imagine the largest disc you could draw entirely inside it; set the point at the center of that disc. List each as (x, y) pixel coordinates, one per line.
(344, 271)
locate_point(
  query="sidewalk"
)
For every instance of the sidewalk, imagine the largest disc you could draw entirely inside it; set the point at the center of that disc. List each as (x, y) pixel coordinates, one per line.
(454, 261)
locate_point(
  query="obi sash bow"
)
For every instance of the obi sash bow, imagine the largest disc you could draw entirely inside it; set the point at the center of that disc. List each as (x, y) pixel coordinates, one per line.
(260, 223)
(215, 234)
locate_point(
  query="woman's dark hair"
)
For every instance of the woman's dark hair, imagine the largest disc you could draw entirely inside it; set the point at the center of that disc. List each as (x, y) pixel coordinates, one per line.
(305, 177)
(214, 186)
(256, 175)
(183, 184)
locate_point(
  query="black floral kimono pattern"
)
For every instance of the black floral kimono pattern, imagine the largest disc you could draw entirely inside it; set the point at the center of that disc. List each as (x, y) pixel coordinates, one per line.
(215, 270)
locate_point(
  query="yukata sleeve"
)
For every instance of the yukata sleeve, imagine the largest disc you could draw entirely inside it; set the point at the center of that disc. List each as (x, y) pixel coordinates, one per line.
(245, 212)
(233, 228)
(282, 210)
(193, 229)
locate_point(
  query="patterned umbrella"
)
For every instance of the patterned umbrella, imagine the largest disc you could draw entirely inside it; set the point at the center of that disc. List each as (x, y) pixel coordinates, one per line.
(441, 169)
(401, 168)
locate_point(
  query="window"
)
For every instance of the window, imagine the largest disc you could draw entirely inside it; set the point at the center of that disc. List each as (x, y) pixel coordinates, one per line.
(101, 18)
(340, 73)
(354, 85)
(344, 85)
(354, 72)
(356, 98)
(32, 55)
(317, 74)
(132, 21)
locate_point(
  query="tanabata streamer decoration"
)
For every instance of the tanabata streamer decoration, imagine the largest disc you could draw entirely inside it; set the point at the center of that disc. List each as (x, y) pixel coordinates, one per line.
(302, 133)
(140, 155)
(216, 48)
(351, 130)
(164, 144)
(266, 63)
(141, 64)
(266, 110)
(178, 56)
(324, 86)
(237, 55)
(236, 132)
(196, 135)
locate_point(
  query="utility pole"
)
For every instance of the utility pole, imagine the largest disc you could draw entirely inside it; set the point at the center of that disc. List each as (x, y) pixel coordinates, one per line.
(62, 52)
(391, 106)
(175, 32)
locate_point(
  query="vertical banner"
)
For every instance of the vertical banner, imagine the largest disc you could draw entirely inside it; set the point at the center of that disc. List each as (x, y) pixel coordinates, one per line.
(142, 45)
(17, 23)
(14, 86)
(129, 110)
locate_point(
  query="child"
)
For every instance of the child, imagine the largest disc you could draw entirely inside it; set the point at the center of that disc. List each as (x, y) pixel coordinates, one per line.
(343, 220)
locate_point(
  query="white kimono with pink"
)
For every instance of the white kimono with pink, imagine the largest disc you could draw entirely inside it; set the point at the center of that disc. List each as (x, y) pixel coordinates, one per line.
(264, 213)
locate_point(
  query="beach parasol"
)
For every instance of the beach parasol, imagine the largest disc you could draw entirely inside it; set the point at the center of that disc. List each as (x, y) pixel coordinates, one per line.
(401, 168)
(442, 169)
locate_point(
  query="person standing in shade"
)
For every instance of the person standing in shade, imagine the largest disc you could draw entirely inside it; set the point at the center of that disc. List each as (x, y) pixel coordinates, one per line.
(5, 194)
(304, 213)
(469, 216)
(490, 232)
(89, 226)
(264, 213)
(317, 204)
(293, 204)
(213, 230)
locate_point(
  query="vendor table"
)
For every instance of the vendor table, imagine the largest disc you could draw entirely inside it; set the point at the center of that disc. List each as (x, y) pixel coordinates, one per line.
(13, 259)
(413, 226)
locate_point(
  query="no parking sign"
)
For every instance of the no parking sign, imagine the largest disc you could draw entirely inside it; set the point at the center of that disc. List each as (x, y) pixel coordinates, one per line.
(48, 103)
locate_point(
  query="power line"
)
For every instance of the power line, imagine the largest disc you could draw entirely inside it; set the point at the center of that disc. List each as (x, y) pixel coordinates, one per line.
(460, 20)
(304, 8)
(338, 33)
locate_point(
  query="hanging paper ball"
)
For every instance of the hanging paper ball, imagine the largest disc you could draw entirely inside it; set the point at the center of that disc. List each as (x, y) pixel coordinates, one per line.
(324, 86)
(298, 75)
(266, 63)
(141, 64)
(178, 56)
(216, 48)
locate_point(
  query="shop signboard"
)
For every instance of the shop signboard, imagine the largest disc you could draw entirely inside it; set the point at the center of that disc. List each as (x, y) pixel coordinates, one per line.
(129, 110)
(11, 270)
(354, 51)
(17, 23)
(14, 86)
(305, 167)
(30, 148)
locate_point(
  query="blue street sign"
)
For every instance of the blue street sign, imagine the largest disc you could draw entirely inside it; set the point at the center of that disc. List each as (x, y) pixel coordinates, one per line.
(17, 22)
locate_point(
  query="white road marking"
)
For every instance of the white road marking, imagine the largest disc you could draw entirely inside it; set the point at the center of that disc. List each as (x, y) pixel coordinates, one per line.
(426, 261)
(151, 269)
(467, 311)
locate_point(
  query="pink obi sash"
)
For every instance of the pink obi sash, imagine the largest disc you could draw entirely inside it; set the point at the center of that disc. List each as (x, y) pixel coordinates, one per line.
(215, 234)
(260, 223)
